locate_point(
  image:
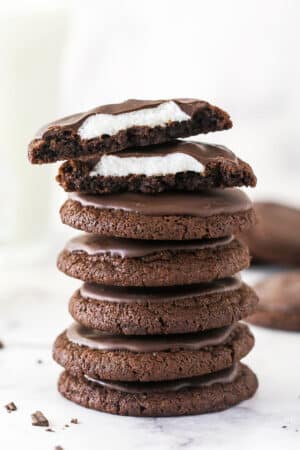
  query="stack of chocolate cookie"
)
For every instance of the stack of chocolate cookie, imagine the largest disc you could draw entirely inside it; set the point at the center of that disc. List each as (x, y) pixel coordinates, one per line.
(156, 331)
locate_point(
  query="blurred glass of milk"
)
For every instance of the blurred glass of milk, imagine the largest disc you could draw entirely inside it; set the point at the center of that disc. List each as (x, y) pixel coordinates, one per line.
(31, 52)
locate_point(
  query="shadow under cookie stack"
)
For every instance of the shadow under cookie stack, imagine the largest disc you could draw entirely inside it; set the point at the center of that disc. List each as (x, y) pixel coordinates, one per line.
(156, 329)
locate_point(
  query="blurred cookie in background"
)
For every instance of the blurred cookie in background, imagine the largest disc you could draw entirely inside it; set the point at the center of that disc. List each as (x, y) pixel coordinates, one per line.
(276, 237)
(279, 302)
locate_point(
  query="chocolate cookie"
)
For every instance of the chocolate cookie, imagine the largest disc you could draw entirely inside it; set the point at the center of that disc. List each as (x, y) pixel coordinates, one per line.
(209, 393)
(279, 302)
(129, 262)
(82, 351)
(208, 214)
(111, 128)
(276, 237)
(177, 309)
(179, 165)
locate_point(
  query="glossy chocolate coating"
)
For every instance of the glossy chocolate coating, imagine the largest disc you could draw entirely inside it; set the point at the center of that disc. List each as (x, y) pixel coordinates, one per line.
(137, 248)
(162, 294)
(73, 122)
(202, 152)
(94, 339)
(222, 376)
(206, 203)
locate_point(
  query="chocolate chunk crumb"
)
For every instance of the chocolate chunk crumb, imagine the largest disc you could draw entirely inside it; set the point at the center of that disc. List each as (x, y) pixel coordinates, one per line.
(39, 361)
(11, 407)
(50, 430)
(75, 421)
(66, 425)
(284, 426)
(39, 420)
(1, 345)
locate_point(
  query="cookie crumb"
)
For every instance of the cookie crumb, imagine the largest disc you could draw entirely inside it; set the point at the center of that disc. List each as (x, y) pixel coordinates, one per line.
(50, 430)
(1, 345)
(39, 420)
(66, 425)
(58, 447)
(10, 407)
(75, 421)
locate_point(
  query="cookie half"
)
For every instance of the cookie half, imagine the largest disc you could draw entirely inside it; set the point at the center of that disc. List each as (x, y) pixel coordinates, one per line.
(179, 166)
(276, 238)
(207, 214)
(210, 394)
(82, 351)
(279, 302)
(115, 127)
(129, 262)
(175, 309)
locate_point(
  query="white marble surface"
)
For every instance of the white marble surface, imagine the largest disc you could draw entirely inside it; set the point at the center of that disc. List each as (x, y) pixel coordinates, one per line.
(33, 310)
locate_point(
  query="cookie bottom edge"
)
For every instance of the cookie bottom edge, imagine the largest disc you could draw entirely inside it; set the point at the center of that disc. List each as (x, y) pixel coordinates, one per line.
(190, 401)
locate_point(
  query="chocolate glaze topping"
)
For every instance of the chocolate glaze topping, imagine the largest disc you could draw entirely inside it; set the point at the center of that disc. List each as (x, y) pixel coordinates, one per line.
(137, 248)
(204, 153)
(222, 376)
(206, 203)
(162, 294)
(94, 339)
(188, 105)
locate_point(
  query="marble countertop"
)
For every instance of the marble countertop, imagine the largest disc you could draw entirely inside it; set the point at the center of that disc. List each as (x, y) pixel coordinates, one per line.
(33, 310)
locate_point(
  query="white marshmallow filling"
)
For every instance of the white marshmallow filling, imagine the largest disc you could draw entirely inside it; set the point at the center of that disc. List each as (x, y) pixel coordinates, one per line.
(108, 124)
(114, 166)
